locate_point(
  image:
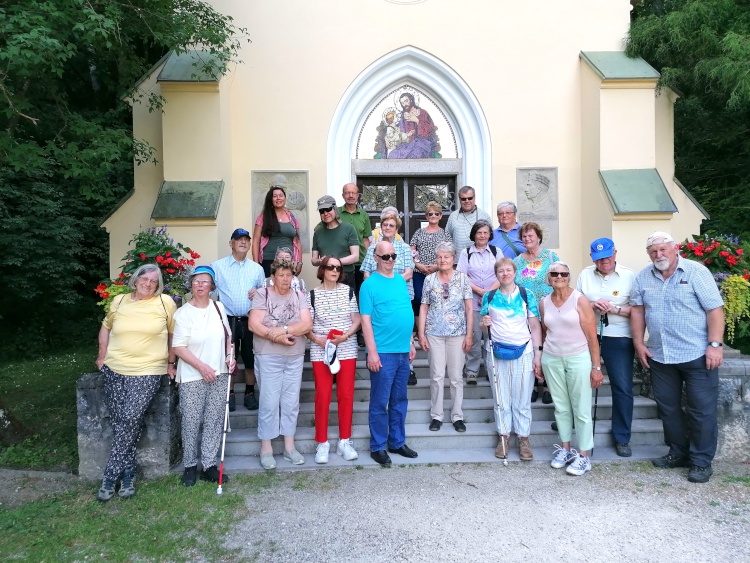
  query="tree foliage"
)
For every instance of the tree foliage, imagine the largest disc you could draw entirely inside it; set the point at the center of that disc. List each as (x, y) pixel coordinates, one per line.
(66, 144)
(702, 49)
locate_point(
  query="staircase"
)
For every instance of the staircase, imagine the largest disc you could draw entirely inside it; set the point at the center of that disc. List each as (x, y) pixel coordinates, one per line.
(477, 444)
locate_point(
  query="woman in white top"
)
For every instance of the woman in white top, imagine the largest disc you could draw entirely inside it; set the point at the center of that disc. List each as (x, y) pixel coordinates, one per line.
(333, 307)
(205, 362)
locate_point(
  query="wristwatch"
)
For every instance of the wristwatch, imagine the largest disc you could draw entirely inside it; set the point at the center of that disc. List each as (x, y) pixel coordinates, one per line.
(286, 329)
(715, 344)
(597, 368)
(619, 309)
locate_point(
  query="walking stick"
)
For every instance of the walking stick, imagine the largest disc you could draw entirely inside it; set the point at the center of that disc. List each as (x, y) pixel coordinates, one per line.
(603, 321)
(493, 381)
(227, 427)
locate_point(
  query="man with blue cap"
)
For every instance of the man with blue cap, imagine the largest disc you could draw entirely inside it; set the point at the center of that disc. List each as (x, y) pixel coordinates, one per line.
(608, 285)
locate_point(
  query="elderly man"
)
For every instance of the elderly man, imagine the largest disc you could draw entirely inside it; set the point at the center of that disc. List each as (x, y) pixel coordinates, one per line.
(462, 219)
(335, 238)
(505, 237)
(237, 278)
(608, 286)
(387, 321)
(678, 302)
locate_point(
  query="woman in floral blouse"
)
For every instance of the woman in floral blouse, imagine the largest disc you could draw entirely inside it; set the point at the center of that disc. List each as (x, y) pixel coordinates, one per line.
(423, 244)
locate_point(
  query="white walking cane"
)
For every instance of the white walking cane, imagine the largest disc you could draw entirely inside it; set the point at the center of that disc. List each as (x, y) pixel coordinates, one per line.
(493, 382)
(227, 426)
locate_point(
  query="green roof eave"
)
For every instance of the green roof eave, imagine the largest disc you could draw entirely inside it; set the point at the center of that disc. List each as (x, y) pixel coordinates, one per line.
(188, 200)
(637, 191)
(691, 198)
(616, 65)
(193, 66)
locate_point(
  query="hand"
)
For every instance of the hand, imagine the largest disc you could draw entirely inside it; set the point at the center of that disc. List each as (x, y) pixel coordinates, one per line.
(486, 321)
(207, 373)
(467, 343)
(412, 352)
(423, 343)
(99, 362)
(373, 362)
(643, 354)
(536, 366)
(596, 378)
(285, 339)
(171, 371)
(602, 305)
(232, 365)
(297, 268)
(274, 333)
(251, 293)
(339, 339)
(714, 357)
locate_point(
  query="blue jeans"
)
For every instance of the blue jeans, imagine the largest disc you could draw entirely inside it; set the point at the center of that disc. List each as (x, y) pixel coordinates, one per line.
(388, 402)
(618, 353)
(694, 432)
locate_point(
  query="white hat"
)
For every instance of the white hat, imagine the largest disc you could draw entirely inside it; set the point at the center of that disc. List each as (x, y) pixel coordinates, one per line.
(330, 357)
(658, 236)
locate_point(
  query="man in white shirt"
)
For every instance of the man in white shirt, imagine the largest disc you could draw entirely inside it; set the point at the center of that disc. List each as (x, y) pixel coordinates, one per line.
(462, 219)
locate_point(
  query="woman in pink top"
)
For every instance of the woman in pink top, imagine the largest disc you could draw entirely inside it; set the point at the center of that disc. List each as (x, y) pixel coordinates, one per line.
(572, 365)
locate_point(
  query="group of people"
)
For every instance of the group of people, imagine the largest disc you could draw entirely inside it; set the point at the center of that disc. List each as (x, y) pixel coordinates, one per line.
(468, 291)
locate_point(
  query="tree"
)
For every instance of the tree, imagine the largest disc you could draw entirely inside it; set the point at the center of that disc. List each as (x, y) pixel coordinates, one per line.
(702, 49)
(66, 144)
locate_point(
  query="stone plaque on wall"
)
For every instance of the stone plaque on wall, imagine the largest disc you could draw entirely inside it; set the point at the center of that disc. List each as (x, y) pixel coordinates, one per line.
(537, 197)
(296, 188)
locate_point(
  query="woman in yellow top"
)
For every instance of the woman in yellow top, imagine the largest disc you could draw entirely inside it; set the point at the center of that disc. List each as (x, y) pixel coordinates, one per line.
(134, 352)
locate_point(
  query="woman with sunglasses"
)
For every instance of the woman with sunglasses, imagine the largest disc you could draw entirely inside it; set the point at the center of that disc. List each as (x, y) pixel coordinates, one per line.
(445, 332)
(572, 364)
(423, 244)
(531, 272)
(333, 307)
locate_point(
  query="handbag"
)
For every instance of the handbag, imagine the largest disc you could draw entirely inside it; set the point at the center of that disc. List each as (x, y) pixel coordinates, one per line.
(508, 351)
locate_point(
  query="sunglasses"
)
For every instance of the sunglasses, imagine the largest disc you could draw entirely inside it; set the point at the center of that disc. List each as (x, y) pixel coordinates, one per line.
(331, 268)
(433, 214)
(560, 274)
(446, 292)
(325, 210)
(467, 198)
(387, 257)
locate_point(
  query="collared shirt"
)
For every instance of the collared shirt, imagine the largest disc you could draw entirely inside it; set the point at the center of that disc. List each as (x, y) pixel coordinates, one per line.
(233, 280)
(459, 226)
(480, 270)
(675, 310)
(499, 240)
(360, 220)
(615, 288)
(404, 260)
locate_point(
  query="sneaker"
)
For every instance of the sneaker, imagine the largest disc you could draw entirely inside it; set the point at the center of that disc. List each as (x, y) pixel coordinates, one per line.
(623, 450)
(435, 425)
(189, 476)
(471, 379)
(562, 457)
(251, 403)
(412, 378)
(294, 457)
(501, 451)
(459, 426)
(267, 461)
(670, 461)
(346, 450)
(580, 465)
(524, 449)
(232, 402)
(698, 474)
(127, 483)
(212, 475)
(106, 491)
(321, 452)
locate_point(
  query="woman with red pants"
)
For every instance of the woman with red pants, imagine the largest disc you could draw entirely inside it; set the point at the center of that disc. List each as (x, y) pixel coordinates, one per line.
(335, 313)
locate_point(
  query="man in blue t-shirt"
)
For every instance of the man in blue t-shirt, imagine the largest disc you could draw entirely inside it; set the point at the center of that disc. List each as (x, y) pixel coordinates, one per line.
(387, 322)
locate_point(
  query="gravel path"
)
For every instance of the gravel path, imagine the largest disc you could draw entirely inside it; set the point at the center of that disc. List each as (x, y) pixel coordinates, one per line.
(529, 512)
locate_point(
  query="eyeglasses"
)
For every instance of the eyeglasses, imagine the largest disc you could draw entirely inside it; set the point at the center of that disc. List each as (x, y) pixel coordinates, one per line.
(148, 281)
(325, 210)
(331, 268)
(387, 257)
(503, 213)
(446, 292)
(201, 282)
(467, 198)
(433, 214)
(560, 274)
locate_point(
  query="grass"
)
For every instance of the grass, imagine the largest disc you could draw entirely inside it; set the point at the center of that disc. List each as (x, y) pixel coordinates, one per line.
(741, 479)
(38, 397)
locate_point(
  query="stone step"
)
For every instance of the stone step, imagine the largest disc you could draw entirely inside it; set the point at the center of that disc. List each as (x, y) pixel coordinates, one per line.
(478, 435)
(475, 410)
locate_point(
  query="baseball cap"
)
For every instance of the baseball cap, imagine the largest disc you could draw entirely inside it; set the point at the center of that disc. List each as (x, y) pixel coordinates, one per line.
(239, 233)
(602, 248)
(658, 236)
(325, 202)
(204, 270)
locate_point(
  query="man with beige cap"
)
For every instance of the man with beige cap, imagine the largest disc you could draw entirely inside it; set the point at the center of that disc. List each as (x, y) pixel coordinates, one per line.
(678, 301)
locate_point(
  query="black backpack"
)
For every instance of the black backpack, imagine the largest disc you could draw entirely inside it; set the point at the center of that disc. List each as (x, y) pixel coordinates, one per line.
(493, 249)
(521, 290)
(312, 296)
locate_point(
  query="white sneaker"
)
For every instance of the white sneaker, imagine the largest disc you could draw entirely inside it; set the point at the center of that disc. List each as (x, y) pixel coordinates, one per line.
(346, 450)
(321, 452)
(562, 457)
(580, 465)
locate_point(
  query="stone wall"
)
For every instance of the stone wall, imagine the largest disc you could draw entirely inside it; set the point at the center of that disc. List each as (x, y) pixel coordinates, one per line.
(158, 448)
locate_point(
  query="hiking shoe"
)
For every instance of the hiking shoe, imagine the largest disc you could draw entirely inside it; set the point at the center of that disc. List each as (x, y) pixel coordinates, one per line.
(623, 450)
(212, 475)
(501, 451)
(534, 395)
(562, 457)
(321, 452)
(547, 398)
(106, 491)
(189, 476)
(267, 461)
(459, 426)
(471, 379)
(251, 403)
(412, 378)
(435, 425)
(232, 402)
(670, 461)
(127, 483)
(346, 450)
(524, 449)
(294, 457)
(698, 474)
(580, 465)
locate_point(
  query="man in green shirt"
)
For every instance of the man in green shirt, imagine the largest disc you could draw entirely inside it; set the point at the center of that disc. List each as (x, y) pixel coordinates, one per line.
(335, 238)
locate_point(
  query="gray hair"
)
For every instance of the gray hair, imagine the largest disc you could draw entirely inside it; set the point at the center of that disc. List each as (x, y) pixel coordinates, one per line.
(466, 189)
(145, 269)
(553, 267)
(282, 249)
(446, 246)
(507, 204)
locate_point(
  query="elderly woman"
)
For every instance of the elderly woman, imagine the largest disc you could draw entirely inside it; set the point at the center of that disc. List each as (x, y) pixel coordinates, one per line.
(279, 316)
(275, 227)
(423, 244)
(572, 364)
(478, 263)
(134, 344)
(284, 254)
(531, 272)
(511, 315)
(445, 331)
(200, 342)
(333, 307)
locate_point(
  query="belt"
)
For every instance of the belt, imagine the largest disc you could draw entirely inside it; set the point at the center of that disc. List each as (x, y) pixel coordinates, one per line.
(237, 317)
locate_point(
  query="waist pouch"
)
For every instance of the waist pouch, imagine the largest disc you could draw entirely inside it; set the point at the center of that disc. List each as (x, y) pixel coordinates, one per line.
(508, 351)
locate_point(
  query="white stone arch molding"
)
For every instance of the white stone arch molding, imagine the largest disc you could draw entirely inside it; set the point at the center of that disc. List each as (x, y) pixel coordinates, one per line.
(410, 64)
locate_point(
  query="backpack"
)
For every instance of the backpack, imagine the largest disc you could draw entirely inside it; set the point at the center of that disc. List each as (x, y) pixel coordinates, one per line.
(312, 296)
(493, 249)
(521, 290)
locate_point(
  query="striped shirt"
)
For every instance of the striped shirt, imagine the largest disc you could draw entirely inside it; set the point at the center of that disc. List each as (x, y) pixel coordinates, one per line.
(233, 280)
(404, 260)
(459, 226)
(333, 310)
(675, 310)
